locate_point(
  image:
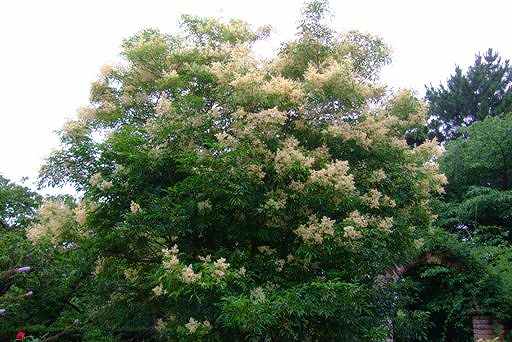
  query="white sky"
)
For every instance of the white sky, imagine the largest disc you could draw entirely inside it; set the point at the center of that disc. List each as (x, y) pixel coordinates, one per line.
(52, 50)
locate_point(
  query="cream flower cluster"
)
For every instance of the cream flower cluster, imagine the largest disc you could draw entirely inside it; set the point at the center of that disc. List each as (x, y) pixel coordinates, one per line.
(435, 179)
(97, 181)
(170, 258)
(159, 290)
(374, 199)
(331, 73)
(80, 213)
(428, 150)
(134, 207)
(106, 70)
(334, 174)
(290, 154)
(358, 219)
(82, 209)
(75, 129)
(257, 171)
(284, 88)
(369, 130)
(378, 176)
(363, 221)
(163, 106)
(188, 275)
(347, 132)
(386, 224)
(266, 119)
(220, 268)
(315, 231)
(204, 206)
(351, 233)
(53, 218)
(86, 114)
(266, 250)
(193, 325)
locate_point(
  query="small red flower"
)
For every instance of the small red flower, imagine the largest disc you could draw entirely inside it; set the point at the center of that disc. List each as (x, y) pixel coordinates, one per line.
(20, 336)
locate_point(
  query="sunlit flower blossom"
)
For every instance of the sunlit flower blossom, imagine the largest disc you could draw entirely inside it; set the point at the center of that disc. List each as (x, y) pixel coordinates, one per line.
(171, 262)
(257, 171)
(86, 114)
(436, 180)
(226, 139)
(242, 271)
(285, 88)
(134, 207)
(277, 203)
(266, 250)
(105, 185)
(351, 233)
(220, 268)
(106, 70)
(386, 224)
(53, 218)
(205, 259)
(249, 81)
(80, 213)
(131, 274)
(388, 201)
(378, 176)
(75, 129)
(188, 276)
(164, 106)
(99, 266)
(159, 290)
(204, 206)
(296, 186)
(192, 325)
(258, 294)
(358, 219)
(372, 198)
(290, 155)
(336, 175)
(315, 231)
(221, 264)
(429, 149)
(160, 325)
(280, 264)
(95, 179)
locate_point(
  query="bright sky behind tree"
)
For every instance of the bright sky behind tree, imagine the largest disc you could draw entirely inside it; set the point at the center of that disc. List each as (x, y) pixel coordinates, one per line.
(52, 50)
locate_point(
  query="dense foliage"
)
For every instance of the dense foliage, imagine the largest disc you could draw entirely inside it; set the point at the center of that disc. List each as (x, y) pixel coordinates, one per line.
(479, 170)
(18, 204)
(224, 196)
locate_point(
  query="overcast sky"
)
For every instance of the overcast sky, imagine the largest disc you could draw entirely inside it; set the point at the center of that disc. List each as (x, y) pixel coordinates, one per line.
(52, 50)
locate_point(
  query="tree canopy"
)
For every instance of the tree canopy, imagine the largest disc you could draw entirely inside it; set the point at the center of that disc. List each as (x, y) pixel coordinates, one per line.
(225, 195)
(222, 196)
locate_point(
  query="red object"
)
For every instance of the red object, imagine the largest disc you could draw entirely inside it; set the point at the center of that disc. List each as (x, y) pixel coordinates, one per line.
(20, 336)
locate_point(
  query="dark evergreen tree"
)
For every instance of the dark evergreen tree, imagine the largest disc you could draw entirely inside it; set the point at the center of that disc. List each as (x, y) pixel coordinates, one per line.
(484, 90)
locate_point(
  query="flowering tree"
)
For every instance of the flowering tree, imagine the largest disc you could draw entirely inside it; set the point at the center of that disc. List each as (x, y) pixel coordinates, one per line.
(228, 195)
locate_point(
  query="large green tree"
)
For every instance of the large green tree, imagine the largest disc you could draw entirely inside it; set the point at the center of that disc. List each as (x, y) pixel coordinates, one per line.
(229, 197)
(485, 89)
